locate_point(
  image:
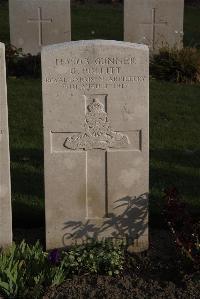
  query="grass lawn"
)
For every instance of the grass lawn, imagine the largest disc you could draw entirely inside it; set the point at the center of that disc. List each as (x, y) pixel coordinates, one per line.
(174, 123)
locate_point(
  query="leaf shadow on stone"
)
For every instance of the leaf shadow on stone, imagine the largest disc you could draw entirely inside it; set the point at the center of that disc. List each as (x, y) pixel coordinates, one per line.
(128, 222)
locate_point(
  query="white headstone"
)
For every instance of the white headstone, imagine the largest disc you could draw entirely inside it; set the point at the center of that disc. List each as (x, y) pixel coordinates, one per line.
(95, 103)
(35, 23)
(156, 23)
(5, 189)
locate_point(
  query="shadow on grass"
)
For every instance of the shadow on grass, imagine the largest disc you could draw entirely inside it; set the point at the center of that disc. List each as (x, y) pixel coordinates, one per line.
(35, 156)
(27, 172)
(185, 158)
(177, 168)
(26, 215)
(27, 180)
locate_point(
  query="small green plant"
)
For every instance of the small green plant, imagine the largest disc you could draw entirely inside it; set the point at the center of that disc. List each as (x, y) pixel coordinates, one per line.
(176, 65)
(26, 271)
(96, 257)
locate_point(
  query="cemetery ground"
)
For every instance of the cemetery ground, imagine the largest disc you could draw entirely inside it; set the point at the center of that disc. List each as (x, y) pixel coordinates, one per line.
(174, 162)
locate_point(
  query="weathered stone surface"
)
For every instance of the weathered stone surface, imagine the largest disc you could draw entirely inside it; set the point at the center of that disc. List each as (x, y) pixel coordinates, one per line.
(34, 23)
(5, 190)
(95, 100)
(156, 23)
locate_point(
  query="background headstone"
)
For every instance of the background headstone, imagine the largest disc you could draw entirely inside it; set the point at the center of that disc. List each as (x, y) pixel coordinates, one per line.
(35, 23)
(156, 23)
(95, 103)
(5, 189)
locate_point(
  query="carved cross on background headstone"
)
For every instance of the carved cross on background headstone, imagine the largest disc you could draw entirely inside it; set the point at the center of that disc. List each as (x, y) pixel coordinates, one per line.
(40, 22)
(154, 24)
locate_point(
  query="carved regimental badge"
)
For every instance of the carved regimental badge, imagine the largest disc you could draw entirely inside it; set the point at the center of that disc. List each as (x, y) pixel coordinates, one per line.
(98, 133)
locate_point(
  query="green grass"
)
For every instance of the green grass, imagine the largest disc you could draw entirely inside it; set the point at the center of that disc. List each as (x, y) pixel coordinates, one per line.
(174, 123)
(97, 22)
(26, 143)
(4, 22)
(192, 27)
(174, 142)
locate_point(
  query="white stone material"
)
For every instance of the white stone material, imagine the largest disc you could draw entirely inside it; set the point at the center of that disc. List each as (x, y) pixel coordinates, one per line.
(35, 23)
(5, 189)
(96, 143)
(156, 23)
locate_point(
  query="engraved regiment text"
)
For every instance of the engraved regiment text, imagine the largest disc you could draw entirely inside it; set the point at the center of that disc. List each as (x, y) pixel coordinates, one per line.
(102, 73)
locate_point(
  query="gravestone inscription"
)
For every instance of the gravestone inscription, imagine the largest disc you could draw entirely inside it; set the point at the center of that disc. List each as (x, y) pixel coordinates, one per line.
(156, 23)
(5, 189)
(95, 103)
(34, 23)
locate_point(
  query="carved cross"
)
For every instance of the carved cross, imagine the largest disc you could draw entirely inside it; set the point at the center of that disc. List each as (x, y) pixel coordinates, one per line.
(98, 140)
(154, 25)
(40, 22)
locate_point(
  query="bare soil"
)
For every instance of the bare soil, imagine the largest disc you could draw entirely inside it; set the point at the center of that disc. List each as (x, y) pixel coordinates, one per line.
(160, 273)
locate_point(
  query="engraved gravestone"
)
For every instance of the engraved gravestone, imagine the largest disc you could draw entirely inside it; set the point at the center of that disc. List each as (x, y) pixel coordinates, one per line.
(5, 190)
(156, 23)
(95, 103)
(34, 23)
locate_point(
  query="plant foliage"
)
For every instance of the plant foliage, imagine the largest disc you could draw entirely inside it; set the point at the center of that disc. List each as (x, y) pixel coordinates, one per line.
(185, 229)
(180, 66)
(21, 65)
(26, 271)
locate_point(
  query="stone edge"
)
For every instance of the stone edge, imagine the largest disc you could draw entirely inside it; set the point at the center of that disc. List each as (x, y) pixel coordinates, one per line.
(96, 42)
